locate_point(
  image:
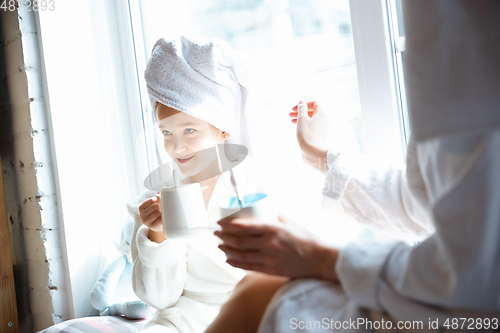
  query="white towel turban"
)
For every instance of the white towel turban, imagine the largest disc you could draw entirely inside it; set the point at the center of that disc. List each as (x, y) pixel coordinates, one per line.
(203, 77)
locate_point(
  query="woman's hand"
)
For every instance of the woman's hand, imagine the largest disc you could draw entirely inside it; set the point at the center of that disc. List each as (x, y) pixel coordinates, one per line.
(285, 249)
(150, 214)
(312, 128)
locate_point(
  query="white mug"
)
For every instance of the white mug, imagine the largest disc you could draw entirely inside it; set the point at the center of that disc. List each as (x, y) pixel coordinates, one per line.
(183, 211)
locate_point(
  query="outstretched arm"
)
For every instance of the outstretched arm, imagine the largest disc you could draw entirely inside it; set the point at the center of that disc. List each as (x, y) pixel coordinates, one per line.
(372, 191)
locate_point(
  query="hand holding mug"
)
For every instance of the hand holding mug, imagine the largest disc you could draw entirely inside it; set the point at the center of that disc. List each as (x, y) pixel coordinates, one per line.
(150, 214)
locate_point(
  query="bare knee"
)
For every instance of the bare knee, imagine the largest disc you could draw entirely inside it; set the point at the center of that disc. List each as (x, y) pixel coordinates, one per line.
(254, 280)
(247, 303)
(249, 280)
(255, 290)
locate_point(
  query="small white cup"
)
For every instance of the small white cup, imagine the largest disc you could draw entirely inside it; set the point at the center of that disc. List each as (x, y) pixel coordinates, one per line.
(256, 206)
(183, 211)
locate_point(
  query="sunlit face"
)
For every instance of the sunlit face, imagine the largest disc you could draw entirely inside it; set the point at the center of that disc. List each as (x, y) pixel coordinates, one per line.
(189, 141)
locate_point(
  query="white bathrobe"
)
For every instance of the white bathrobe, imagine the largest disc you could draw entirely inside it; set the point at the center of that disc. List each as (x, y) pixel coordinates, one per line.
(449, 196)
(187, 281)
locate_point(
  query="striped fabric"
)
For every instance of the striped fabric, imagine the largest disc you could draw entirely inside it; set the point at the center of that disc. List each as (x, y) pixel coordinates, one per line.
(104, 324)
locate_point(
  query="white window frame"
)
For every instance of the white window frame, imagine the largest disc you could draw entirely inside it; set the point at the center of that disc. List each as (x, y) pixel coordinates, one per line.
(135, 97)
(376, 79)
(382, 123)
(383, 128)
(124, 96)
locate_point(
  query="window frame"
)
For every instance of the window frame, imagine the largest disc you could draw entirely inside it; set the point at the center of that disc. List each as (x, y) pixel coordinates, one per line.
(378, 80)
(374, 49)
(374, 62)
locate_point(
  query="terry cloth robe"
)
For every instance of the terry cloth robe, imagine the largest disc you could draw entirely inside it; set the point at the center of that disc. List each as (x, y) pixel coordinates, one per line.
(187, 281)
(449, 196)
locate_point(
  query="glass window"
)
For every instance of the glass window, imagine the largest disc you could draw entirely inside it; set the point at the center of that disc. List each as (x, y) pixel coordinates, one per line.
(295, 49)
(398, 41)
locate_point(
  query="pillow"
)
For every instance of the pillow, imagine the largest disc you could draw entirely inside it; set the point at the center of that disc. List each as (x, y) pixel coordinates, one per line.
(98, 324)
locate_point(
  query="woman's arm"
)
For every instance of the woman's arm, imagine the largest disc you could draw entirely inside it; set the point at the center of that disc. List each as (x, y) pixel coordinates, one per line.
(457, 266)
(377, 194)
(374, 192)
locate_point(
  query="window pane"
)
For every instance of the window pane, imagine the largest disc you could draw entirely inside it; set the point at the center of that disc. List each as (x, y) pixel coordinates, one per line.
(397, 35)
(295, 49)
(399, 17)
